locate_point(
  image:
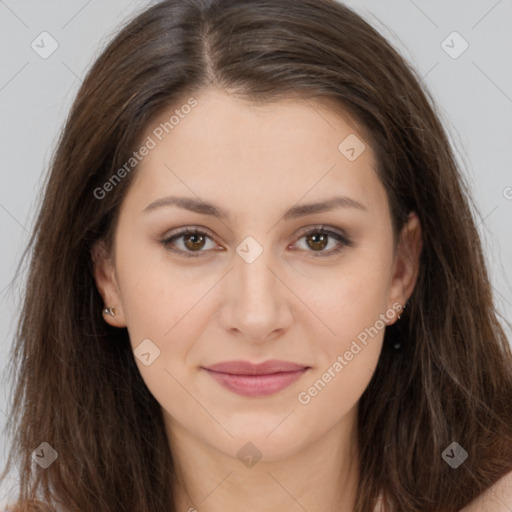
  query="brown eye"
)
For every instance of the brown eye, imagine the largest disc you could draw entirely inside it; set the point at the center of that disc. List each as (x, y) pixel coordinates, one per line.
(194, 242)
(317, 239)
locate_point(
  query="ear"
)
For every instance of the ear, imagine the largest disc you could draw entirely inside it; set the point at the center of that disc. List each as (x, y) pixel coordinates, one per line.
(407, 262)
(106, 282)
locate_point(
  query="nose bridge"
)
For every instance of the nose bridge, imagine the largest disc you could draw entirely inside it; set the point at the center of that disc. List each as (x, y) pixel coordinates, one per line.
(252, 275)
(256, 306)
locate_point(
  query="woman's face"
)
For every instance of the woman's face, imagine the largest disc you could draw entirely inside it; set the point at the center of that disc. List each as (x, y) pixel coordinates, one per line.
(259, 283)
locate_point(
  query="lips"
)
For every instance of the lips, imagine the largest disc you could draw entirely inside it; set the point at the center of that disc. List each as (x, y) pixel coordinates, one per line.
(247, 368)
(248, 379)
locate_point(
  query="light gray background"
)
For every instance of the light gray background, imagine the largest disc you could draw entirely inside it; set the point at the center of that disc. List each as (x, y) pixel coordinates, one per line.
(474, 92)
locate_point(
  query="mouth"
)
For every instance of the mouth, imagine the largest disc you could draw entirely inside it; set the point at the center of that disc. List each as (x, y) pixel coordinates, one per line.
(247, 379)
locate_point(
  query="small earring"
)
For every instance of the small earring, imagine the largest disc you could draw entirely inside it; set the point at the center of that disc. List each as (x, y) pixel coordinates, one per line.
(397, 345)
(109, 311)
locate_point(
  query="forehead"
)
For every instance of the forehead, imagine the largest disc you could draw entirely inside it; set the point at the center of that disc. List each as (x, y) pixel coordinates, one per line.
(226, 148)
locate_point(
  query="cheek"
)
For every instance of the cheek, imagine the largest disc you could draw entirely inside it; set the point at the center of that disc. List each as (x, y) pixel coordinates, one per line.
(347, 300)
(349, 338)
(164, 316)
(162, 305)
(152, 291)
(347, 356)
(335, 389)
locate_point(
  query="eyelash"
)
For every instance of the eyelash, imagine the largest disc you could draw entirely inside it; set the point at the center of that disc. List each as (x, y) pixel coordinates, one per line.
(345, 241)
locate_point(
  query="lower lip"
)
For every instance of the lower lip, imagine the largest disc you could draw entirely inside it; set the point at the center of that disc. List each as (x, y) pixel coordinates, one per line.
(256, 385)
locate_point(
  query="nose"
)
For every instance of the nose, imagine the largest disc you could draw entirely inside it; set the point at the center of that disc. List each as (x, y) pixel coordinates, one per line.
(257, 303)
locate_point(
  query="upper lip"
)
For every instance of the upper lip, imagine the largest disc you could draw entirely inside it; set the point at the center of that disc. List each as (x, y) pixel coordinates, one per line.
(247, 368)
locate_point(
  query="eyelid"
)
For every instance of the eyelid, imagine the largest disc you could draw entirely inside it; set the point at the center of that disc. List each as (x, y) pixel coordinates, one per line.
(322, 228)
(188, 229)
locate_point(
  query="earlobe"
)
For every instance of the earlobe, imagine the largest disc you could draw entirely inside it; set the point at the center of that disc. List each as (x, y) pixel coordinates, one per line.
(106, 283)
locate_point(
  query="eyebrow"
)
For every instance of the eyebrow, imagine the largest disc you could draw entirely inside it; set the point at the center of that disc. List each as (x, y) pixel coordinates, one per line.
(204, 208)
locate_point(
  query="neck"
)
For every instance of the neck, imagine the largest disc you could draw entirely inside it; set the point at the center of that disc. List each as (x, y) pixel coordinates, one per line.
(320, 475)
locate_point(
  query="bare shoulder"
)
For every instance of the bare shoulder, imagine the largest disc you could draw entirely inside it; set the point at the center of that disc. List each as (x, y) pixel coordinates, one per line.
(498, 498)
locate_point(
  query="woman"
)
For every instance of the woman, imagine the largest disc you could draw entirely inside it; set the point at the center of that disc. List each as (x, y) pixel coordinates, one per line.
(256, 281)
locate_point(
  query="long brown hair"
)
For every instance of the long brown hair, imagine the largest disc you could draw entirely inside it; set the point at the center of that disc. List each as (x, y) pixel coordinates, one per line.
(77, 386)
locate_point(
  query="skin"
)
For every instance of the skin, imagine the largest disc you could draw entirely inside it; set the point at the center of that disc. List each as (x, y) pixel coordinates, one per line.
(256, 161)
